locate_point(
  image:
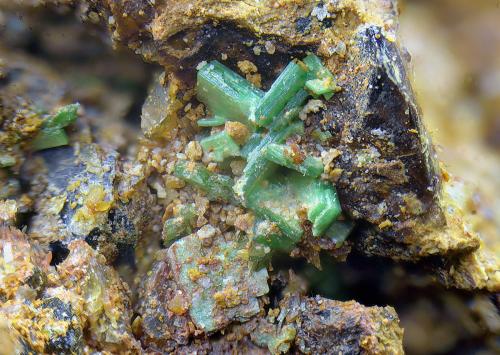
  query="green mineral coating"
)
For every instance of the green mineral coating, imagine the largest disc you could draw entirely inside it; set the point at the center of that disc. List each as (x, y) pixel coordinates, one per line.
(320, 81)
(225, 93)
(228, 268)
(220, 146)
(211, 122)
(52, 133)
(180, 225)
(283, 155)
(216, 186)
(288, 83)
(7, 161)
(339, 231)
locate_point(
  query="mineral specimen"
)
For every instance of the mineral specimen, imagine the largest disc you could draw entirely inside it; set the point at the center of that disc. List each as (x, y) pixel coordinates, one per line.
(278, 134)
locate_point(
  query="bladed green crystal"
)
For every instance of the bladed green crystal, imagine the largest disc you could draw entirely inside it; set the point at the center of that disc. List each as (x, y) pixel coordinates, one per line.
(288, 83)
(216, 186)
(283, 155)
(225, 93)
(320, 81)
(339, 231)
(180, 225)
(64, 117)
(211, 122)
(52, 133)
(49, 138)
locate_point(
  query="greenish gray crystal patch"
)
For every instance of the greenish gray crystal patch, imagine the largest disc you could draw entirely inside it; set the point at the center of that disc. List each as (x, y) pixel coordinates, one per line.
(218, 279)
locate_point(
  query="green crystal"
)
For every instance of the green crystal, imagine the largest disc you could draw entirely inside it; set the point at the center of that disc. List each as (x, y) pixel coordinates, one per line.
(211, 122)
(64, 117)
(225, 93)
(288, 83)
(339, 231)
(52, 133)
(180, 225)
(50, 138)
(283, 155)
(216, 186)
(220, 146)
(280, 186)
(320, 81)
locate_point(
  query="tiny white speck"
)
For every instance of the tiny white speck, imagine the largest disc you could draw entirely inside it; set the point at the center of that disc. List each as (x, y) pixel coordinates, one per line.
(201, 65)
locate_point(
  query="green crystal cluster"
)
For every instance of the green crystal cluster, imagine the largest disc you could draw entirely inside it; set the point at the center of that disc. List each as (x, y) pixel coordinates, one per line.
(280, 184)
(52, 133)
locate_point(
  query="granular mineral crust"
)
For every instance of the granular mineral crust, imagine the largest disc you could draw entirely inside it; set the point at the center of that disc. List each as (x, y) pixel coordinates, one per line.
(163, 309)
(218, 282)
(79, 306)
(23, 267)
(104, 298)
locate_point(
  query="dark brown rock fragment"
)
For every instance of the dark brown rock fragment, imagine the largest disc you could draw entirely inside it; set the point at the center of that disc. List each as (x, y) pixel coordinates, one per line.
(162, 306)
(332, 327)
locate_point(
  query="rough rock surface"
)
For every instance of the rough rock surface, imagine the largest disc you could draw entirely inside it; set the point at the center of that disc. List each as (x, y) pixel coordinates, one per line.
(23, 267)
(331, 327)
(104, 299)
(479, 269)
(82, 306)
(90, 195)
(387, 175)
(163, 308)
